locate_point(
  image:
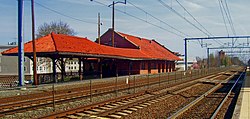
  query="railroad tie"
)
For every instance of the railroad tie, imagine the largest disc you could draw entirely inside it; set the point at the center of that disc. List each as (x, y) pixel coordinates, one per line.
(105, 108)
(138, 107)
(90, 112)
(147, 103)
(133, 109)
(121, 113)
(127, 111)
(110, 106)
(102, 118)
(125, 101)
(73, 117)
(98, 110)
(115, 116)
(121, 103)
(82, 114)
(142, 105)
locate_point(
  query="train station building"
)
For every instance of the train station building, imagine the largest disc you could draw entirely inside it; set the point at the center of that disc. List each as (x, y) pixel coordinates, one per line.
(130, 55)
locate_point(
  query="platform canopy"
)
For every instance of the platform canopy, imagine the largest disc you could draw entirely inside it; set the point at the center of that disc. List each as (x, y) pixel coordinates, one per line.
(59, 45)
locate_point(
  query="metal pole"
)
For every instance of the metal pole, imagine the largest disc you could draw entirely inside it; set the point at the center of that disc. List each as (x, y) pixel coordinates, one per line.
(34, 44)
(90, 87)
(20, 44)
(148, 81)
(113, 25)
(80, 68)
(208, 58)
(185, 40)
(101, 68)
(62, 70)
(54, 70)
(53, 93)
(116, 84)
(128, 85)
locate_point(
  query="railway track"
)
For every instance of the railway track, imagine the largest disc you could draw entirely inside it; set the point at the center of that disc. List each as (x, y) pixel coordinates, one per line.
(123, 106)
(69, 96)
(210, 104)
(119, 108)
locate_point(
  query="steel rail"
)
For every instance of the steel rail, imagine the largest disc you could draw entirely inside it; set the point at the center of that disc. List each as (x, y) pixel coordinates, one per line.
(78, 109)
(226, 97)
(152, 96)
(48, 102)
(182, 110)
(106, 113)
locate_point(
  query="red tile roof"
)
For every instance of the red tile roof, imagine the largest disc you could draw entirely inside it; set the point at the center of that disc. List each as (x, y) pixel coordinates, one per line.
(150, 47)
(59, 43)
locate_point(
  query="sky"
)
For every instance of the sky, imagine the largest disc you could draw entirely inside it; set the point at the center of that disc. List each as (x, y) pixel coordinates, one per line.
(149, 19)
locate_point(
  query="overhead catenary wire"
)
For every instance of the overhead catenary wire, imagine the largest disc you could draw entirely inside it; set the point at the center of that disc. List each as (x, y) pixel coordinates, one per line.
(178, 14)
(157, 18)
(193, 17)
(227, 16)
(223, 16)
(206, 33)
(62, 14)
(219, 42)
(141, 19)
(230, 18)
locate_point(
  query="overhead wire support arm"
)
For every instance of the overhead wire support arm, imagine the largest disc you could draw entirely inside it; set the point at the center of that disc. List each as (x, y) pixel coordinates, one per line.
(206, 38)
(216, 37)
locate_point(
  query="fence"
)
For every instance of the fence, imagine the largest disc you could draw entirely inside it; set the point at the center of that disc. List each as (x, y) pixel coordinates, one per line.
(12, 81)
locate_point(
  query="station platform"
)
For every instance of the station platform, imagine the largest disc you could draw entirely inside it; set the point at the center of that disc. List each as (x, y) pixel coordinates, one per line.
(244, 99)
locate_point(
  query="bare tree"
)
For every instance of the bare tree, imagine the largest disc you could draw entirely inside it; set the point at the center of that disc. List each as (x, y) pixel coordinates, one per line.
(56, 27)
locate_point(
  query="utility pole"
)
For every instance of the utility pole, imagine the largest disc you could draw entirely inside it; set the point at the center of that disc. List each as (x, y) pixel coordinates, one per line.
(20, 44)
(113, 20)
(99, 29)
(113, 24)
(34, 44)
